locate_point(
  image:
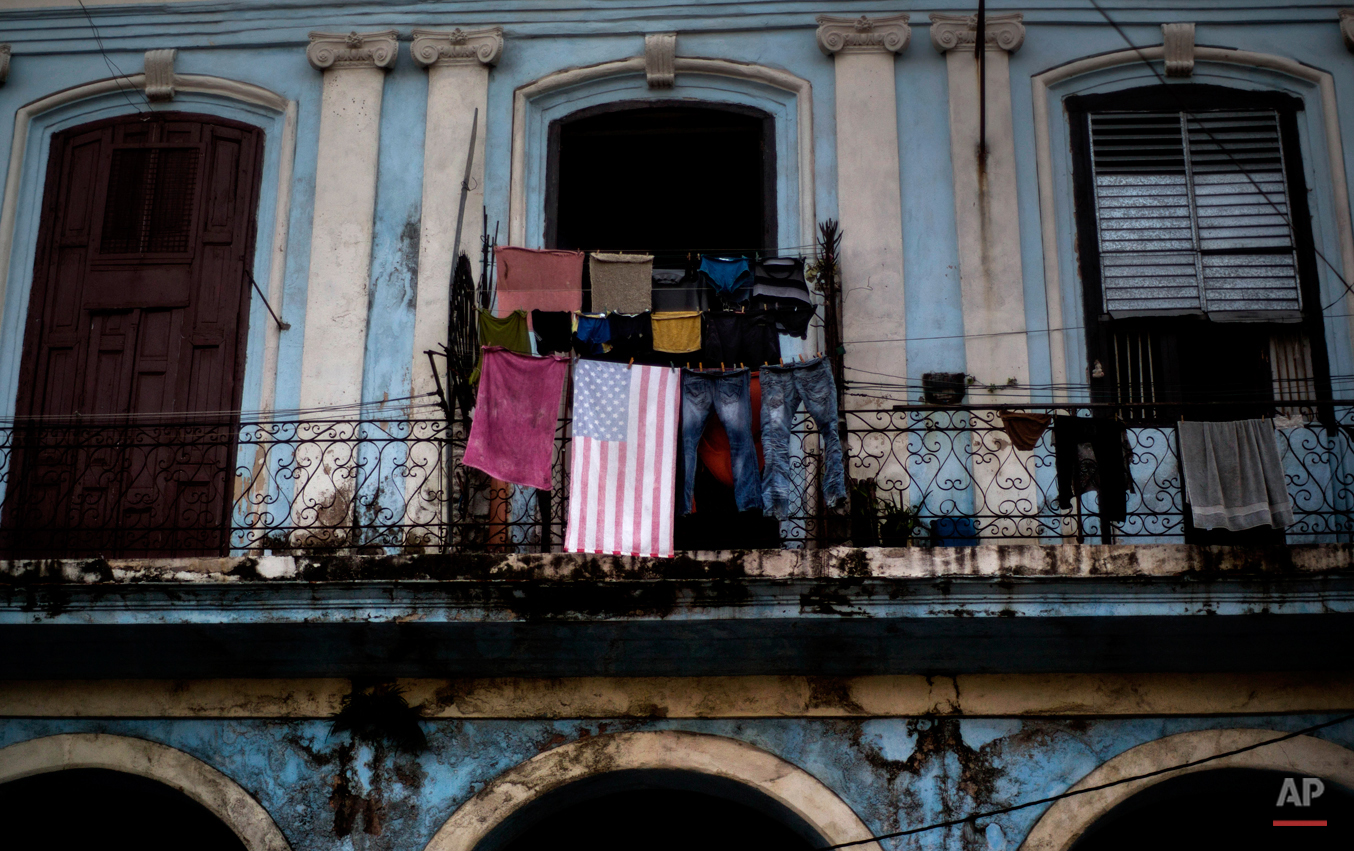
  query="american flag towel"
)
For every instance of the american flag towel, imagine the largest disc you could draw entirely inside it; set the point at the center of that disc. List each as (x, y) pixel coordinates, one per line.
(624, 465)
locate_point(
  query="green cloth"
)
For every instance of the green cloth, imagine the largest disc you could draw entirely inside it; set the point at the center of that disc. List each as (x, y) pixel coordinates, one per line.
(510, 332)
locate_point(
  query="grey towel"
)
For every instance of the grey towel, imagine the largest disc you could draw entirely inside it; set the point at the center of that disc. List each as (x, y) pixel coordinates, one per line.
(621, 282)
(1233, 476)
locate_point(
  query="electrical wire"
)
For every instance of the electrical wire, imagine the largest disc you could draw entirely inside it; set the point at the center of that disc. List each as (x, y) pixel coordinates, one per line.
(1099, 787)
(118, 74)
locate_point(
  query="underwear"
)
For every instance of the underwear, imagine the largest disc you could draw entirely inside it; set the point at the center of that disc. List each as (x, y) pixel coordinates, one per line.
(677, 332)
(747, 338)
(781, 278)
(631, 335)
(729, 276)
(591, 334)
(554, 331)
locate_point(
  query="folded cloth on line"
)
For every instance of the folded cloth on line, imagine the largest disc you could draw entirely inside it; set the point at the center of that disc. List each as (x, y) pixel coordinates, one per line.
(1233, 477)
(1024, 429)
(621, 282)
(677, 331)
(538, 279)
(513, 433)
(510, 332)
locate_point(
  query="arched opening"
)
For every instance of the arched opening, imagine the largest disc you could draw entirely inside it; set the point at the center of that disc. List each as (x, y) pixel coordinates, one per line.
(663, 811)
(1228, 808)
(84, 808)
(662, 177)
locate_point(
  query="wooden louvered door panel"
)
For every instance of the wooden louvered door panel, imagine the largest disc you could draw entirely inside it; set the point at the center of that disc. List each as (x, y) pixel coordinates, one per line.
(133, 353)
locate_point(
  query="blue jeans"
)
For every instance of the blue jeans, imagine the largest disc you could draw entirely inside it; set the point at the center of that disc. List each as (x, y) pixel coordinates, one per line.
(783, 388)
(728, 394)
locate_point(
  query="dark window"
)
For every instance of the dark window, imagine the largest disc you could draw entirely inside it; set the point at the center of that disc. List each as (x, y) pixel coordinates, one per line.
(1195, 247)
(662, 179)
(149, 208)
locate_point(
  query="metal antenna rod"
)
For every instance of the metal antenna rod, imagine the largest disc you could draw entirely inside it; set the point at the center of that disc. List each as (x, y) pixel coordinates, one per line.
(980, 53)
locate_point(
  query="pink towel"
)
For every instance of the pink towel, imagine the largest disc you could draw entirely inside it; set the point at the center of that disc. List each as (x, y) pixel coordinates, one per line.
(531, 279)
(513, 432)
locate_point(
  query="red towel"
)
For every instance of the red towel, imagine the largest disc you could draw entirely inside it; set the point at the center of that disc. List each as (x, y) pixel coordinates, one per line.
(513, 433)
(531, 279)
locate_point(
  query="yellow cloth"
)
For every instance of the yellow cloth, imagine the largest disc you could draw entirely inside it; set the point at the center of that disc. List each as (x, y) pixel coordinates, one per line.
(677, 331)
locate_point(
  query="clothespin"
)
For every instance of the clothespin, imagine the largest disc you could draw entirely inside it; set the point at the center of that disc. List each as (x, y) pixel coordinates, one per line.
(782, 361)
(700, 367)
(801, 358)
(721, 366)
(632, 363)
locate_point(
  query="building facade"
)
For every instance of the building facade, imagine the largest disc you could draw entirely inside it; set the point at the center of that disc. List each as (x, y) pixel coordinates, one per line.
(244, 564)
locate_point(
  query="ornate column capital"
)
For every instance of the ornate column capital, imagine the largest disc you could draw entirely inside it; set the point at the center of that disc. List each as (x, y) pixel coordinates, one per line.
(4, 62)
(1004, 31)
(457, 47)
(354, 50)
(887, 34)
(1347, 27)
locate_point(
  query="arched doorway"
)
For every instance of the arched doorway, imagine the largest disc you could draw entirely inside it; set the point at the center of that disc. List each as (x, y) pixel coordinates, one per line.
(115, 810)
(659, 774)
(1229, 808)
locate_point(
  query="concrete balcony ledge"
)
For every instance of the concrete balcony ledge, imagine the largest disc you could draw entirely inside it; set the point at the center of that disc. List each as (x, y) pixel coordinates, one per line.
(995, 561)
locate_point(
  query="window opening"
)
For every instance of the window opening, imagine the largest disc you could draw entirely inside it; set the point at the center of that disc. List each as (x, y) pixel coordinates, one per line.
(149, 208)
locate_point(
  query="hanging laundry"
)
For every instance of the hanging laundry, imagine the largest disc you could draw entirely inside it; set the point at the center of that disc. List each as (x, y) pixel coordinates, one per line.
(731, 337)
(624, 464)
(783, 389)
(676, 332)
(674, 289)
(1233, 476)
(1093, 455)
(554, 331)
(729, 277)
(510, 333)
(592, 333)
(780, 289)
(727, 395)
(621, 282)
(530, 278)
(513, 433)
(631, 336)
(1024, 429)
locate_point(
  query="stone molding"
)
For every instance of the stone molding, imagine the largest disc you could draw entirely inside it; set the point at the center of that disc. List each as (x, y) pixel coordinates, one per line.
(160, 75)
(4, 62)
(660, 57)
(887, 34)
(458, 47)
(1347, 27)
(1177, 42)
(353, 50)
(1004, 31)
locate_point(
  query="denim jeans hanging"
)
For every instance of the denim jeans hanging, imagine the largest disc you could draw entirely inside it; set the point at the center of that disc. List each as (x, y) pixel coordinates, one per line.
(728, 395)
(783, 388)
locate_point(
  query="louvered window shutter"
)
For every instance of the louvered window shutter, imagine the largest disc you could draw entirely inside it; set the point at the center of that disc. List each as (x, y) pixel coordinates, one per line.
(1193, 214)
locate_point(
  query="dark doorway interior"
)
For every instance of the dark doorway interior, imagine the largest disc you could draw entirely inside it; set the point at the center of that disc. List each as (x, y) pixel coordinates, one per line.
(658, 820)
(1224, 808)
(80, 809)
(664, 179)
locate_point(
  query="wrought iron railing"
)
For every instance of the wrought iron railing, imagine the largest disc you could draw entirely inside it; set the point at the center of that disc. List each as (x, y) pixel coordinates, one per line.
(919, 475)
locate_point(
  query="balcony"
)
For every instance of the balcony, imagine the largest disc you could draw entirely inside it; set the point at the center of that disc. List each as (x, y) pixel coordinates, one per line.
(920, 476)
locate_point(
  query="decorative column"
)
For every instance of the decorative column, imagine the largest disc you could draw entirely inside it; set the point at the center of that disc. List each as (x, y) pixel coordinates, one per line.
(869, 200)
(458, 64)
(985, 205)
(354, 67)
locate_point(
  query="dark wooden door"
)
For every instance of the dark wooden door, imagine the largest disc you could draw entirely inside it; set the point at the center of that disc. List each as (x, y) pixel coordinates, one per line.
(133, 351)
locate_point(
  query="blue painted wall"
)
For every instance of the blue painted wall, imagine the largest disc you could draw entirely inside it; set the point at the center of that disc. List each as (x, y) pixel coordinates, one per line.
(895, 773)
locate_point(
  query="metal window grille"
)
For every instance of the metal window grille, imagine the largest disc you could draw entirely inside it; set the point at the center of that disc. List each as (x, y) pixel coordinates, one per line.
(1193, 213)
(149, 207)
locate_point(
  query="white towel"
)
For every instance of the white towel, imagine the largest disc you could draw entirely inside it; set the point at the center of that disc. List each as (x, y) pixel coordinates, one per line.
(1233, 476)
